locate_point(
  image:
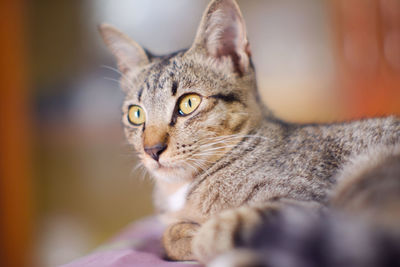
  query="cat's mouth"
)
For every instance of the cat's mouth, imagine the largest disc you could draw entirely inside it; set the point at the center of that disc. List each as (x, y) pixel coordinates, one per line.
(168, 169)
(169, 172)
(161, 166)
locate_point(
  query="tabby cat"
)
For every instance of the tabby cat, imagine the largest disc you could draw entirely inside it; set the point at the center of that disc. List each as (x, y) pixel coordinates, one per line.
(223, 164)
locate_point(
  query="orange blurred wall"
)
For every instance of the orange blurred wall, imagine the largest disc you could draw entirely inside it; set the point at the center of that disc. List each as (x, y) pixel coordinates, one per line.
(368, 54)
(15, 183)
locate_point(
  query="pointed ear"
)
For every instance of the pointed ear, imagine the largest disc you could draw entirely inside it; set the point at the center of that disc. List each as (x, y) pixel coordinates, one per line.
(222, 33)
(128, 53)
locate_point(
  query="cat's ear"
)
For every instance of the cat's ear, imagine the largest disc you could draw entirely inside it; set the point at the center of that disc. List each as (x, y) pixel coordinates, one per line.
(128, 53)
(222, 33)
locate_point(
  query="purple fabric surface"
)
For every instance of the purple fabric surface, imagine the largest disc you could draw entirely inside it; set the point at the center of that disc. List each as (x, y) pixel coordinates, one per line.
(138, 245)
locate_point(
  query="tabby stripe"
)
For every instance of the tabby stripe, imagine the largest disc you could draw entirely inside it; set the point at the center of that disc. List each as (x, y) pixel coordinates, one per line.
(210, 174)
(226, 164)
(142, 89)
(229, 98)
(249, 149)
(254, 190)
(238, 127)
(211, 204)
(174, 117)
(174, 88)
(268, 211)
(177, 229)
(186, 222)
(262, 213)
(237, 231)
(140, 93)
(200, 113)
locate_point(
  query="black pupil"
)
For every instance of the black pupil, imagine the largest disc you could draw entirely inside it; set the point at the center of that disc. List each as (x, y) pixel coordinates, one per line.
(190, 102)
(138, 113)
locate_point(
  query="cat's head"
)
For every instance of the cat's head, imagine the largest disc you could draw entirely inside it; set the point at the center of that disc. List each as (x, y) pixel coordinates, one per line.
(184, 111)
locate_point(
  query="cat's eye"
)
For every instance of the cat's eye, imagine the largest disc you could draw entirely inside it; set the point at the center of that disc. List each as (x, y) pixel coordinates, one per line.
(136, 115)
(188, 104)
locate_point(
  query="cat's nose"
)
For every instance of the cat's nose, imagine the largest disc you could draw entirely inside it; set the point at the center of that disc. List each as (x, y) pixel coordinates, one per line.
(155, 151)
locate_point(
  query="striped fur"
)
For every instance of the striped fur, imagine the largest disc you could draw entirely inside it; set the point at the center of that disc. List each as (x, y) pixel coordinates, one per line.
(234, 159)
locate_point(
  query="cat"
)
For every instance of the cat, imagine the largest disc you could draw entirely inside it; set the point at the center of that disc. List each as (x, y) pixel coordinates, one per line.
(221, 160)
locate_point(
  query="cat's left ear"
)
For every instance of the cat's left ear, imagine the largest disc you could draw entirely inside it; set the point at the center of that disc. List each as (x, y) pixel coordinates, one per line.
(222, 33)
(128, 53)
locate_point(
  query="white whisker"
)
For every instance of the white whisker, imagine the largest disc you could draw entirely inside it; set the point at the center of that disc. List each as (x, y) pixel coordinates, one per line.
(111, 79)
(124, 76)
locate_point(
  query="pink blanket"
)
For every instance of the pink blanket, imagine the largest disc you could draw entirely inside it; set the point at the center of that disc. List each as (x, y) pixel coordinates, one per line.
(139, 245)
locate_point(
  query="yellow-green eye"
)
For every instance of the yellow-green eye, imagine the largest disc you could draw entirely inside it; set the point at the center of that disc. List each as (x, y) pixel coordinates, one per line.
(188, 104)
(136, 115)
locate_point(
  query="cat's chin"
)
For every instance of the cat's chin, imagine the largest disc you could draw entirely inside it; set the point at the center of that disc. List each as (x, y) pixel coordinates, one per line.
(172, 174)
(167, 172)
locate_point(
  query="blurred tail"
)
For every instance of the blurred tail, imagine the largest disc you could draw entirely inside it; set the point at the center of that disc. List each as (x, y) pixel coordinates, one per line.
(361, 229)
(369, 186)
(297, 237)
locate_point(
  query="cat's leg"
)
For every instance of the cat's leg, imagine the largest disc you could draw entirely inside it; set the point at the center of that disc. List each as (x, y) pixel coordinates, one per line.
(177, 240)
(232, 228)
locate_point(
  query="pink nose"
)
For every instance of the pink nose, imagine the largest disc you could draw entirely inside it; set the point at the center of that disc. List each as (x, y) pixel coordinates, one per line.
(156, 150)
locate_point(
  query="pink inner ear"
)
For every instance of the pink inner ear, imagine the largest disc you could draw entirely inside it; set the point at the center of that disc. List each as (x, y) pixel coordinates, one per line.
(228, 41)
(229, 47)
(225, 36)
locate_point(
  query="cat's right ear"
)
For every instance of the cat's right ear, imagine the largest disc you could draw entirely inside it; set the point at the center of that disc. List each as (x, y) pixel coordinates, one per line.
(128, 53)
(222, 34)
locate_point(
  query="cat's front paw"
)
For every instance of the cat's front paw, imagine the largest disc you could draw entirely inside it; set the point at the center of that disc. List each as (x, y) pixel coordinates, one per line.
(177, 240)
(224, 232)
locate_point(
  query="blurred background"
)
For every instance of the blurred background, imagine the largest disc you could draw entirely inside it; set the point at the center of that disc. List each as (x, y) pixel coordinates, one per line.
(67, 179)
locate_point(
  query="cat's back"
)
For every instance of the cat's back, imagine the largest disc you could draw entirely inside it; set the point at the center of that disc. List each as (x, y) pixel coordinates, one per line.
(281, 160)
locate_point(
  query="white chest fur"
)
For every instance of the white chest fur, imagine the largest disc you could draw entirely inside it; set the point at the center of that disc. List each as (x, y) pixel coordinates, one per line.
(177, 200)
